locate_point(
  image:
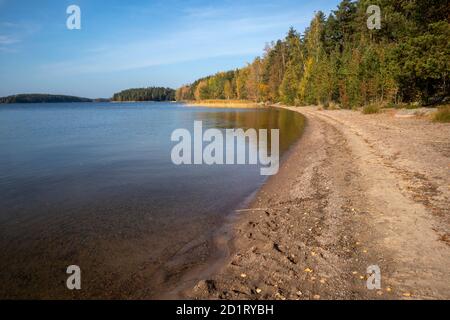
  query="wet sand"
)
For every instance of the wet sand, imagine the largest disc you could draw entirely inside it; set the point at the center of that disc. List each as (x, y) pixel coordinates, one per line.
(355, 191)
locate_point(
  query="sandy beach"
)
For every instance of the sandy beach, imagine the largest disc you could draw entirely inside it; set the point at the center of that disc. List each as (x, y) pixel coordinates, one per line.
(237, 104)
(355, 191)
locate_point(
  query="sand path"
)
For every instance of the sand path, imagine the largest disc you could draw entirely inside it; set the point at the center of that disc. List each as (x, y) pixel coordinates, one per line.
(355, 191)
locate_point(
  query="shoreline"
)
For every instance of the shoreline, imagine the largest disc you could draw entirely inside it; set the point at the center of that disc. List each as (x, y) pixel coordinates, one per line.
(222, 241)
(238, 104)
(345, 199)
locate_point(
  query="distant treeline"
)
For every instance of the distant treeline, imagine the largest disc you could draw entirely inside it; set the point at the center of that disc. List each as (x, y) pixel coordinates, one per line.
(41, 98)
(145, 94)
(338, 59)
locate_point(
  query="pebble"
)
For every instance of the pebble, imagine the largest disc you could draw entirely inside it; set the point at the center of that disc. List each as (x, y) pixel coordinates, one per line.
(279, 296)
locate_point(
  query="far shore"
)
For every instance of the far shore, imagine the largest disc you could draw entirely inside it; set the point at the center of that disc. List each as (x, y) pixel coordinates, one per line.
(224, 104)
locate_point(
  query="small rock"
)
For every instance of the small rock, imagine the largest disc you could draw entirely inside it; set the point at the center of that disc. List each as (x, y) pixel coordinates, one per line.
(277, 247)
(279, 296)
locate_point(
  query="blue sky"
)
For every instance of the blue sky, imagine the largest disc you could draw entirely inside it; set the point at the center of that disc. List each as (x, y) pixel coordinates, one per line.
(124, 44)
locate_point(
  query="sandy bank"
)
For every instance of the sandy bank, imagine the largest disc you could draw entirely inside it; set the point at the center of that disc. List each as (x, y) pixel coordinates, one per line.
(223, 104)
(355, 191)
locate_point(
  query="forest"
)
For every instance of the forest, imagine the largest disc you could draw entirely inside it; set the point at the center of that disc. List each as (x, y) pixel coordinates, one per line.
(339, 60)
(42, 98)
(145, 94)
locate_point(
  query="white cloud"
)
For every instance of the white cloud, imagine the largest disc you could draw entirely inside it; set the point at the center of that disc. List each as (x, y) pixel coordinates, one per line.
(204, 33)
(7, 40)
(15, 33)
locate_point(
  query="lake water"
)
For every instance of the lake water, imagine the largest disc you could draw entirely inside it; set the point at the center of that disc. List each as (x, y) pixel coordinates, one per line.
(93, 185)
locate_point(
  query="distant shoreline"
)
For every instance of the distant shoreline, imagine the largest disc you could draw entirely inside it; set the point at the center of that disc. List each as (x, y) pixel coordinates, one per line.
(224, 103)
(43, 98)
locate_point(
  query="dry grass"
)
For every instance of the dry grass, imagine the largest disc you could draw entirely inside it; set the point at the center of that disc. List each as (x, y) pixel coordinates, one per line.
(442, 115)
(371, 109)
(224, 103)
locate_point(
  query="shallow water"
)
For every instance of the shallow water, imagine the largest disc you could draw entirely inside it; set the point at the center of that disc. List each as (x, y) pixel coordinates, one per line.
(93, 185)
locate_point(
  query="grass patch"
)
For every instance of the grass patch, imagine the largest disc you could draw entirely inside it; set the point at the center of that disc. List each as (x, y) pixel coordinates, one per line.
(371, 109)
(442, 115)
(407, 106)
(413, 106)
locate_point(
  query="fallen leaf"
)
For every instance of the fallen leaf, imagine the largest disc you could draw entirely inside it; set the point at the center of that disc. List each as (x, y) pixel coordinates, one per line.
(407, 294)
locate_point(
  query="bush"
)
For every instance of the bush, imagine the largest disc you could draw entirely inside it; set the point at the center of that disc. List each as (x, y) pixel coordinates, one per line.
(371, 109)
(442, 115)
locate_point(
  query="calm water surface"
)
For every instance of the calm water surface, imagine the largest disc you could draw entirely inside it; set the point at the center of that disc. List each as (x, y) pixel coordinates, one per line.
(93, 185)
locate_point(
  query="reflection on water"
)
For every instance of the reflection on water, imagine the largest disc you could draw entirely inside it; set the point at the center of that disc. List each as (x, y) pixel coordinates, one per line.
(93, 185)
(265, 118)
